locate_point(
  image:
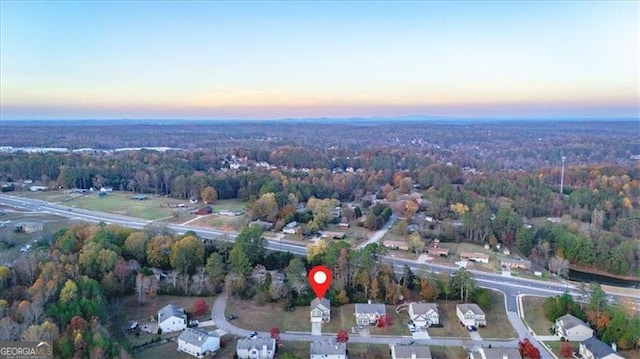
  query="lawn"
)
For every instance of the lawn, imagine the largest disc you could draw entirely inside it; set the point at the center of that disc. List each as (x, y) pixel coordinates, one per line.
(449, 320)
(154, 207)
(498, 324)
(534, 315)
(555, 347)
(264, 317)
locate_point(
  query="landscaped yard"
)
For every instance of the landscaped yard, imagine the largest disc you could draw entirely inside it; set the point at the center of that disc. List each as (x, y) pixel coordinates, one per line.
(264, 317)
(534, 315)
(498, 324)
(121, 203)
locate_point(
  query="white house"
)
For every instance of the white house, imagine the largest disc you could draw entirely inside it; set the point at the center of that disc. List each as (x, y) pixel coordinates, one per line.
(399, 351)
(424, 314)
(572, 328)
(496, 353)
(593, 348)
(320, 310)
(256, 348)
(471, 314)
(328, 349)
(368, 314)
(197, 342)
(172, 319)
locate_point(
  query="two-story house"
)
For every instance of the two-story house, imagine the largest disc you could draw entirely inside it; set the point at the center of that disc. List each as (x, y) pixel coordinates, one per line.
(328, 349)
(172, 318)
(368, 314)
(197, 342)
(256, 348)
(593, 348)
(471, 314)
(414, 351)
(320, 310)
(572, 328)
(424, 314)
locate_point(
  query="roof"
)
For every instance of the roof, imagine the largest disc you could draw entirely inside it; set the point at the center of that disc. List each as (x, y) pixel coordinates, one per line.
(569, 321)
(328, 347)
(406, 351)
(598, 348)
(256, 343)
(464, 308)
(473, 255)
(423, 308)
(169, 311)
(370, 308)
(196, 337)
(324, 301)
(501, 353)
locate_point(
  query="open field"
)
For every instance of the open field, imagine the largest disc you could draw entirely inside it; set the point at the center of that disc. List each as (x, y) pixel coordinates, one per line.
(534, 315)
(225, 223)
(120, 203)
(264, 317)
(498, 324)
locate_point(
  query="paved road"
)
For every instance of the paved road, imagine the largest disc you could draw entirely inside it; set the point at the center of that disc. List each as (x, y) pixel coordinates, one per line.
(377, 236)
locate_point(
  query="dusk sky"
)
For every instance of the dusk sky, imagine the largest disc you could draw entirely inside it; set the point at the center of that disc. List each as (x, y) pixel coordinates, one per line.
(254, 60)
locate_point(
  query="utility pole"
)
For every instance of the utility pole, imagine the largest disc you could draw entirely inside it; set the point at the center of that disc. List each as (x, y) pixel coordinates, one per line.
(562, 175)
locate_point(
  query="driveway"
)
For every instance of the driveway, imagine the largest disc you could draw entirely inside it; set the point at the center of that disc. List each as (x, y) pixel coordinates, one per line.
(475, 335)
(377, 236)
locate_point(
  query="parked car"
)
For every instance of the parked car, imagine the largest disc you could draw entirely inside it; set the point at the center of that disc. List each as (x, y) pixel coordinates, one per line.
(194, 323)
(232, 317)
(471, 328)
(253, 335)
(354, 330)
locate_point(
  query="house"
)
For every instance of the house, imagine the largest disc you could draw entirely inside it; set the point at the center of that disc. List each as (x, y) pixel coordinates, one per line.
(471, 314)
(424, 314)
(106, 189)
(256, 348)
(572, 328)
(496, 353)
(328, 349)
(396, 245)
(515, 263)
(290, 228)
(438, 252)
(266, 226)
(333, 235)
(172, 319)
(413, 351)
(593, 348)
(198, 342)
(38, 188)
(140, 197)
(343, 225)
(368, 314)
(320, 310)
(475, 257)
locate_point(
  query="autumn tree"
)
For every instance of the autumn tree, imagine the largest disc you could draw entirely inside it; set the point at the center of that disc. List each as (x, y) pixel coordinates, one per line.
(265, 208)
(342, 336)
(200, 307)
(135, 246)
(428, 290)
(187, 254)
(209, 195)
(46, 331)
(216, 269)
(385, 321)
(253, 244)
(415, 242)
(566, 350)
(275, 333)
(528, 350)
(158, 250)
(559, 266)
(146, 286)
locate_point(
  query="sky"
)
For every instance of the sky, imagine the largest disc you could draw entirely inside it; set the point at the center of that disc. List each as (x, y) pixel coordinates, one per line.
(268, 60)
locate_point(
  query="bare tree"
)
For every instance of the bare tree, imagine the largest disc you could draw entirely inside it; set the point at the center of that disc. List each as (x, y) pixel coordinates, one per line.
(199, 281)
(559, 266)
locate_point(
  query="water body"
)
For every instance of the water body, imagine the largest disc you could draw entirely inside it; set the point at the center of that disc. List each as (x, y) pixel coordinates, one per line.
(596, 278)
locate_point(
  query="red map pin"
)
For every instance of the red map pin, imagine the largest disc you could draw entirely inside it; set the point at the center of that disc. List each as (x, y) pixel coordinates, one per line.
(320, 280)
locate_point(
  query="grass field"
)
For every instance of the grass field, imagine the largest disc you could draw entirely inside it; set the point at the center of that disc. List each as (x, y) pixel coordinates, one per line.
(534, 315)
(121, 203)
(498, 324)
(264, 317)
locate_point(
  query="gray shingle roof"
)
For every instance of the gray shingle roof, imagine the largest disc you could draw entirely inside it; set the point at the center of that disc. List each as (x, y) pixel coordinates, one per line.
(324, 301)
(405, 351)
(256, 343)
(371, 308)
(569, 321)
(423, 308)
(169, 311)
(598, 348)
(329, 347)
(471, 307)
(500, 353)
(195, 336)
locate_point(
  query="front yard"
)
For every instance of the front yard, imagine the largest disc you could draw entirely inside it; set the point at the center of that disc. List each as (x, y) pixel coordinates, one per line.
(534, 315)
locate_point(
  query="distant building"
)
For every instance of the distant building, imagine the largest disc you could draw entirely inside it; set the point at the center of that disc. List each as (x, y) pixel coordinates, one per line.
(402, 245)
(515, 263)
(266, 226)
(38, 188)
(256, 348)
(333, 235)
(172, 318)
(28, 227)
(475, 257)
(198, 343)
